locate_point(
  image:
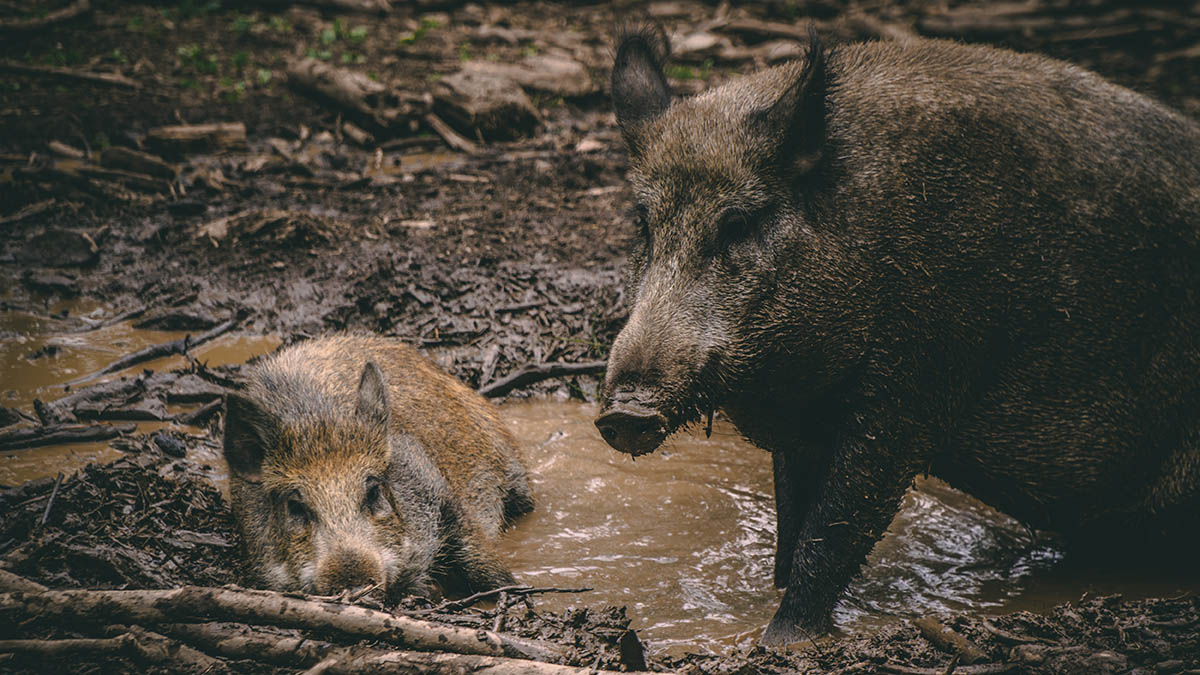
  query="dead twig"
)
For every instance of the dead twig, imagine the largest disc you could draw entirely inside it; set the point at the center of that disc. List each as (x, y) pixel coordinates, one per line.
(521, 590)
(27, 211)
(452, 138)
(50, 503)
(75, 9)
(159, 351)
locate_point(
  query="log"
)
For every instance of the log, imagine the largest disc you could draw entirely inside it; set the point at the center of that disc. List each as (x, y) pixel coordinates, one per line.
(538, 372)
(356, 661)
(106, 79)
(162, 350)
(201, 415)
(153, 608)
(142, 645)
(22, 439)
(198, 137)
(75, 9)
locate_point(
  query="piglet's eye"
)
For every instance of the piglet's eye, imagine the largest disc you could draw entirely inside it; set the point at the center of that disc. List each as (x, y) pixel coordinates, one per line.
(374, 500)
(297, 510)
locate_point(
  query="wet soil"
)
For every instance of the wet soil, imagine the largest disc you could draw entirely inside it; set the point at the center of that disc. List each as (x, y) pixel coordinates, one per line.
(488, 261)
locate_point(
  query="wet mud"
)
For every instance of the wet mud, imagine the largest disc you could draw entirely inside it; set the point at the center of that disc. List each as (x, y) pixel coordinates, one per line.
(488, 261)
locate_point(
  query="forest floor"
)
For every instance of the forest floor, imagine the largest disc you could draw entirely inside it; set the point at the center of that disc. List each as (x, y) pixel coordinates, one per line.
(386, 201)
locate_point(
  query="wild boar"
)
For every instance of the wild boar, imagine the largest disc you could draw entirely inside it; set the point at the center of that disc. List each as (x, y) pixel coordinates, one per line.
(890, 259)
(356, 462)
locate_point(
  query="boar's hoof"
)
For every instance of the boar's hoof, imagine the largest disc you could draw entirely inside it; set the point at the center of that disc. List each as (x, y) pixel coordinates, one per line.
(632, 429)
(786, 628)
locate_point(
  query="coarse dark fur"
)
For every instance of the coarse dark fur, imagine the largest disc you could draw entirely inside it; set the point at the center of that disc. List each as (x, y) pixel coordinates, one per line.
(355, 461)
(924, 257)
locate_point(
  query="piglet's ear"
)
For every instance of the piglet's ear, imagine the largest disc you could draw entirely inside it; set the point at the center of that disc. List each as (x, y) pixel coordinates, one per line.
(795, 122)
(249, 430)
(639, 87)
(373, 397)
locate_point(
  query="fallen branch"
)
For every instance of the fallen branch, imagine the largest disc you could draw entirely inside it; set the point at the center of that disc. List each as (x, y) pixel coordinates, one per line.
(152, 608)
(538, 372)
(77, 8)
(238, 641)
(142, 645)
(107, 79)
(21, 439)
(181, 346)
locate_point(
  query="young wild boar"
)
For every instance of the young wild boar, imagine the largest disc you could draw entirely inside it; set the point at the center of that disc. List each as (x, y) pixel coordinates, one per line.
(891, 259)
(354, 461)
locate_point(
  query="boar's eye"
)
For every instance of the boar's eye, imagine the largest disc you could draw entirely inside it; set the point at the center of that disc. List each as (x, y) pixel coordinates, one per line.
(374, 501)
(735, 225)
(297, 510)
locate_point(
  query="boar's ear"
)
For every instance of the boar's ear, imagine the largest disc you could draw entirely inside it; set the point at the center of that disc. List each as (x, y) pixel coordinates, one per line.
(795, 122)
(249, 430)
(639, 87)
(372, 396)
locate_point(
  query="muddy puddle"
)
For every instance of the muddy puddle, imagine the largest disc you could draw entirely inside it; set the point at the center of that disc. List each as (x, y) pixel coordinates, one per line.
(41, 352)
(684, 538)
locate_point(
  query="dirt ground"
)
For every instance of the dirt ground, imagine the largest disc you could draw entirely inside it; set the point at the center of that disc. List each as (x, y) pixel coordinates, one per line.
(492, 255)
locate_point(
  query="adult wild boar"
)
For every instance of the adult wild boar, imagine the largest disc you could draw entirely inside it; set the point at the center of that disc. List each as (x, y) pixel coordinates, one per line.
(890, 259)
(354, 461)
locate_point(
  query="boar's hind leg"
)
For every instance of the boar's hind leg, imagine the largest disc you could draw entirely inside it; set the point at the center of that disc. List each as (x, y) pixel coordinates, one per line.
(795, 482)
(857, 498)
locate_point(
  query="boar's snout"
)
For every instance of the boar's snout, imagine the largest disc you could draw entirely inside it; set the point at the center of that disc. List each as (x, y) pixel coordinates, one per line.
(348, 570)
(632, 428)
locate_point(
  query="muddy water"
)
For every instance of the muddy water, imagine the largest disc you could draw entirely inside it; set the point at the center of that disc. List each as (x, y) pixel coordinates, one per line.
(683, 538)
(71, 351)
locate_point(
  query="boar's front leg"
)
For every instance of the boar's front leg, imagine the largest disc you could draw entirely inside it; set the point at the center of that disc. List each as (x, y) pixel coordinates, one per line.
(796, 476)
(855, 502)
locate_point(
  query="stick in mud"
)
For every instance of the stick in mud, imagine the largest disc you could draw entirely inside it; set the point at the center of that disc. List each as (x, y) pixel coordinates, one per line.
(537, 372)
(159, 351)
